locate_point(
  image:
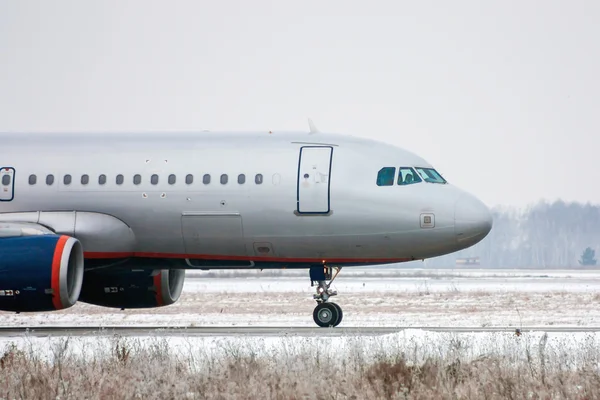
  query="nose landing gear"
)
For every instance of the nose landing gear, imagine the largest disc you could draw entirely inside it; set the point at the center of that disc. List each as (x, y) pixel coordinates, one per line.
(326, 314)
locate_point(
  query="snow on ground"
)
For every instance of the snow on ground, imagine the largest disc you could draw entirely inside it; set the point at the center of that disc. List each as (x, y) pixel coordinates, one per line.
(361, 285)
(375, 272)
(568, 349)
(409, 298)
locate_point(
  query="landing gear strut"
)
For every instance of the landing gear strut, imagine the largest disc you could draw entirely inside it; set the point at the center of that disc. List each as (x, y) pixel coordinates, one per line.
(326, 314)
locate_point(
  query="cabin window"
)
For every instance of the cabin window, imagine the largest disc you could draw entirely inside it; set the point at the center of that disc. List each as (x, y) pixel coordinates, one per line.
(67, 179)
(85, 179)
(224, 179)
(137, 179)
(6, 180)
(258, 179)
(102, 179)
(50, 180)
(241, 179)
(408, 176)
(32, 179)
(120, 179)
(385, 176)
(172, 179)
(206, 179)
(189, 179)
(430, 175)
(154, 179)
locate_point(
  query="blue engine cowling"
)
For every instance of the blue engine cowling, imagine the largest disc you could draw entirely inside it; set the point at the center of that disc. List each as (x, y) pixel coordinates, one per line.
(132, 288)
(40, 273)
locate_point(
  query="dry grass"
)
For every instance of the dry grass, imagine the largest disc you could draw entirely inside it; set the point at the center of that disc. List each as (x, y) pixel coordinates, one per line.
(132, 369)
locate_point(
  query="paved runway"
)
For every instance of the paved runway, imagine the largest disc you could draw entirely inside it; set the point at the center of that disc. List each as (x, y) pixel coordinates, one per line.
(44, 331)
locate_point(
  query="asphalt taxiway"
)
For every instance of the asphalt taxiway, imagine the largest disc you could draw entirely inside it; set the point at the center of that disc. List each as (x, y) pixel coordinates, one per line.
(195, 331)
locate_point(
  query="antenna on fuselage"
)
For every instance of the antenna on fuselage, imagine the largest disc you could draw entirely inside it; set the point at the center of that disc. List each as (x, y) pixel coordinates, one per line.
(312, 127)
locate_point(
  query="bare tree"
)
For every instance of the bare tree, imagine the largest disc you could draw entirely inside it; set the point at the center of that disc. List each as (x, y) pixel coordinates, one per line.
(543, 235)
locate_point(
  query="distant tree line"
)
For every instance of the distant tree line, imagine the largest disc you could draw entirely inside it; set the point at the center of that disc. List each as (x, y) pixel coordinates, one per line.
(547, 235)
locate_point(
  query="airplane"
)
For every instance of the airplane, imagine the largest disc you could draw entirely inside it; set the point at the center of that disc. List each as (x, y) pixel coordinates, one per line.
(115, 219)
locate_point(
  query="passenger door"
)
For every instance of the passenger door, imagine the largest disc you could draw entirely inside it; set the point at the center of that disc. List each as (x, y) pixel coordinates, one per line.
(314, 173)
(7, 183)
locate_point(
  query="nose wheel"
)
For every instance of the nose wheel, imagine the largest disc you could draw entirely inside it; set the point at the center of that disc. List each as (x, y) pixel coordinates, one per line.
(326, 314)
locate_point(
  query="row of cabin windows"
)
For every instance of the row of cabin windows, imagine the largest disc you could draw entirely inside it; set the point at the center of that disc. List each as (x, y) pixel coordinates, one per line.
(154, 179)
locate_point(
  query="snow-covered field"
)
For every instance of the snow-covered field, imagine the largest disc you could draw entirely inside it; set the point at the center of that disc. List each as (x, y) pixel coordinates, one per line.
(405, 365)
(413, 363)
(369, 297)
(415, 344)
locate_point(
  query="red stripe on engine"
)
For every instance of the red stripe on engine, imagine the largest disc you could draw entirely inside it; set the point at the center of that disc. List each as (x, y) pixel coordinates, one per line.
(157, 285)
(55, 279)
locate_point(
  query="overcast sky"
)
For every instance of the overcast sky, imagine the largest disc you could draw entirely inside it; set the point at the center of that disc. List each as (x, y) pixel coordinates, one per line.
(503, 97)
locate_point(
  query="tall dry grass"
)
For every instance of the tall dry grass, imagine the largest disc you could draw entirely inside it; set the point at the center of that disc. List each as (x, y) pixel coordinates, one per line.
(294, 368)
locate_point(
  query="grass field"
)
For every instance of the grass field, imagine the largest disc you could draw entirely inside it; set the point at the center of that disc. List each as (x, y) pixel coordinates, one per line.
(400, 366)
(413, 364)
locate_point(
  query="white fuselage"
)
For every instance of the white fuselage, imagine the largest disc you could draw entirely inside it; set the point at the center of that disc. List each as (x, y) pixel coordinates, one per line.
(278, 207)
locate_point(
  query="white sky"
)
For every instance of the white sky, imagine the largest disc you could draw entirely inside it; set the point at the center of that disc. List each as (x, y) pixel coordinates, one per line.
(501, 96)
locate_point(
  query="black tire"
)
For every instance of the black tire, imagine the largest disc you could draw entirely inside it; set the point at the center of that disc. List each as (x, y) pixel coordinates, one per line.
(340, 313)
(325, 315)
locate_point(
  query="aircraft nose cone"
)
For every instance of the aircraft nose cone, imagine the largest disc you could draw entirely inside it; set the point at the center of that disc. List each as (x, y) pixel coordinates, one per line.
(472, 220)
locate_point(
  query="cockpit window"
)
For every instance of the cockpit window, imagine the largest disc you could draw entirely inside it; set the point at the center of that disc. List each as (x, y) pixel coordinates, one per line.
(385, 176)
(408, 176)
(430, 175)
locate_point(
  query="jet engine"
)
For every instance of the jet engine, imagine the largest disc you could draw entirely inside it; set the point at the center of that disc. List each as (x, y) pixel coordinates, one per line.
(42, 272)
(132, 288)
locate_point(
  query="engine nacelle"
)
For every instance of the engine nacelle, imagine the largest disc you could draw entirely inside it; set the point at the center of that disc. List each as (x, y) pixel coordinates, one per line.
(132, 288)
(40, 273)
